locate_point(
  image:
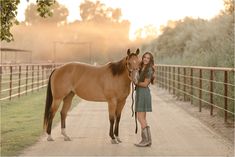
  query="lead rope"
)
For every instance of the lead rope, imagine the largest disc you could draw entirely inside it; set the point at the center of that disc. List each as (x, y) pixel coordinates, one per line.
(132, 107)
(132, 97)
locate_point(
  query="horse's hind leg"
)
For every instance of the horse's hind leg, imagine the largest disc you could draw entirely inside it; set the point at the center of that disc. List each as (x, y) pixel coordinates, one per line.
(63, 113)
(120, 106)
(54, 108)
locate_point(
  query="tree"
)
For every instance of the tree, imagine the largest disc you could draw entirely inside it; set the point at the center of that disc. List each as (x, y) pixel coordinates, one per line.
(8, 10)
(8, 18)
(147, 32)
(60, 14)
(229, 6)
(99, 13)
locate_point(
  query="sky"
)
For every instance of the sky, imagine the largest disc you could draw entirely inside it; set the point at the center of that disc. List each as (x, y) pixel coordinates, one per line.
(146, 12)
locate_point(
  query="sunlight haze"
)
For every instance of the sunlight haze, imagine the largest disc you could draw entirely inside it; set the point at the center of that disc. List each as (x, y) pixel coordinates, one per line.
(146, 12)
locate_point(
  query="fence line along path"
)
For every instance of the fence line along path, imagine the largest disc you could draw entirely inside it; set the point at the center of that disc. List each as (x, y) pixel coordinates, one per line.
(204, 86)
(20, 79)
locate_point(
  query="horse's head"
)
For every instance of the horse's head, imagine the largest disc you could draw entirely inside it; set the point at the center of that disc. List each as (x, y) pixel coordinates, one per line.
(133, 65)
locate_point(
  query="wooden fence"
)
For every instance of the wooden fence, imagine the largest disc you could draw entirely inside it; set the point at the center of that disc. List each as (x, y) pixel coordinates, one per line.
(203, 86)
(20, 79)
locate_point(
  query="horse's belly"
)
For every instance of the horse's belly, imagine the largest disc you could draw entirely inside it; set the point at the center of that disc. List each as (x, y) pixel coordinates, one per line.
(90, 95)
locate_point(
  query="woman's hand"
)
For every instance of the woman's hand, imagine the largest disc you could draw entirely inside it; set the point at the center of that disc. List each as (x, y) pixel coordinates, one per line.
(144, 84)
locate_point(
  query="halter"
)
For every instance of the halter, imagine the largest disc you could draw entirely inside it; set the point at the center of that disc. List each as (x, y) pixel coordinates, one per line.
(128, 69)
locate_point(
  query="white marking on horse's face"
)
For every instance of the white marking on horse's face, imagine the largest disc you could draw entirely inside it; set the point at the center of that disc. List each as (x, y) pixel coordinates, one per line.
(135, 76)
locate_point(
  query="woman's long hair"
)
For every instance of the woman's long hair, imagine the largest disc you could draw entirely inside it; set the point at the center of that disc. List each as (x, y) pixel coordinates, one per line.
(149, 65)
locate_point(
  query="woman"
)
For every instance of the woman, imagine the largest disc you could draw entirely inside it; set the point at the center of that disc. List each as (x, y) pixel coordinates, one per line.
(143, 97)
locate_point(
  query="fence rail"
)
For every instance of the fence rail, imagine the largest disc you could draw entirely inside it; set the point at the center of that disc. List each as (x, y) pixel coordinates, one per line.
(208, 86)
(20, 79)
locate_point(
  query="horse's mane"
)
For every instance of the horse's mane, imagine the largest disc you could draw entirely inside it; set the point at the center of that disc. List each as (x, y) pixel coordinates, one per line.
(117, 68)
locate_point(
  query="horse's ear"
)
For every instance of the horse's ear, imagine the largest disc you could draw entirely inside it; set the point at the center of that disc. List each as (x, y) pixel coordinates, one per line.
(128, 52)
(137, 51)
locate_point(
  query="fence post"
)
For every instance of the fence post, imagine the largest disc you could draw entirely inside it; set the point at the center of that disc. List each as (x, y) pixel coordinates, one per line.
(161, 77)
(165, 77)
(225, 96)
(42, 68)
(169, 79)
(38, 78)
(32, 69)
(19, 81)
(26, 81)
(10, 85)
(178, 81)
(200, 90)
(0, 80)
(191, 84)
(173, 80)
(211, 91)
(184, 84)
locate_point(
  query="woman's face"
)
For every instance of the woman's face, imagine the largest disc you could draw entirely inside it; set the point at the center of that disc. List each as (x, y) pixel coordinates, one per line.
(146, 59)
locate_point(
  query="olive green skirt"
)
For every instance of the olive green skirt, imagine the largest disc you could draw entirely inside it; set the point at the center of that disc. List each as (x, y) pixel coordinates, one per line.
(143, 102)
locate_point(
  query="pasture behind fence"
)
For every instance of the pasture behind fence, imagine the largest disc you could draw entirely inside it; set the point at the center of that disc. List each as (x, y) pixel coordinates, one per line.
(20, 79)
(203, 86)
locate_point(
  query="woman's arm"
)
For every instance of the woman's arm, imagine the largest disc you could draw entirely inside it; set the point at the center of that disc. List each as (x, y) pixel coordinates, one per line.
(145, 83)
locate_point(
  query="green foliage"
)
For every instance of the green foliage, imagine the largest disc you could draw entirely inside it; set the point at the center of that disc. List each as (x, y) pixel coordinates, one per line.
(196, 42)
(44, 7)
(32, 16)
(8, 10)
(8, 14)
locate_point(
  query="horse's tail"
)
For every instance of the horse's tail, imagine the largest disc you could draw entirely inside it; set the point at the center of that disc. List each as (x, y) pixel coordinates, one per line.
(49, 99)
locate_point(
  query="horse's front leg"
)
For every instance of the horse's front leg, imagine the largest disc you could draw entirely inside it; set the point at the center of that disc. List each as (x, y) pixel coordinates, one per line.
(120, 106)
(112, 109)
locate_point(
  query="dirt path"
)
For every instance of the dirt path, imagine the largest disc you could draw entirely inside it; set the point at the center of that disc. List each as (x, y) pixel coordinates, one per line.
(174, 132)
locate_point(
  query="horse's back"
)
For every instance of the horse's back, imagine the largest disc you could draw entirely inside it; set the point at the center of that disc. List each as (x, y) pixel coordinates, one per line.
(83, 79)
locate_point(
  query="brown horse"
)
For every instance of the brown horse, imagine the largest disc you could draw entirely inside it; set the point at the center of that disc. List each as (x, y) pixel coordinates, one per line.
(108, 83)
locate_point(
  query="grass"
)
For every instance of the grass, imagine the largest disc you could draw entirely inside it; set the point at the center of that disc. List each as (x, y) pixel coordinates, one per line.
(22, 122)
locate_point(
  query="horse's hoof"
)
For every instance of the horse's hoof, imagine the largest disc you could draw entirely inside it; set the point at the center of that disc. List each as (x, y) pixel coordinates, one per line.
(114, 141)
(67, 138)
(50, 138)
(118, 139)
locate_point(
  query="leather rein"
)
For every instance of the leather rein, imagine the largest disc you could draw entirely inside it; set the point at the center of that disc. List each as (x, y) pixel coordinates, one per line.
(132, 94)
